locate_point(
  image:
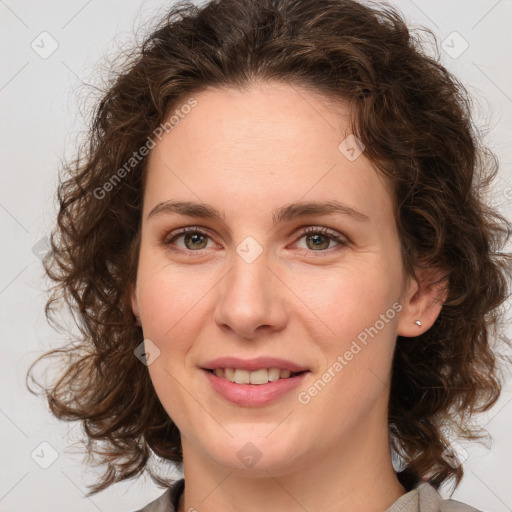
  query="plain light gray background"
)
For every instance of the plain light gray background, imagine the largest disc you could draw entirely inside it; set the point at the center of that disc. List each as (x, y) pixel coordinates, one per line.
(40, 102)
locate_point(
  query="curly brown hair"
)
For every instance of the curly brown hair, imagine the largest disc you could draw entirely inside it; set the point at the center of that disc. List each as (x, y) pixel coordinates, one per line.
(414, 118)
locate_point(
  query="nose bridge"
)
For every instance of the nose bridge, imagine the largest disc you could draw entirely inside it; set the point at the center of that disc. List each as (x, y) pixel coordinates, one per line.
(247, 298)
(250, 277)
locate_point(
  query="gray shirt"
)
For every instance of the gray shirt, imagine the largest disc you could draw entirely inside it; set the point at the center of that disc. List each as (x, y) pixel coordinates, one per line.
(423, 498)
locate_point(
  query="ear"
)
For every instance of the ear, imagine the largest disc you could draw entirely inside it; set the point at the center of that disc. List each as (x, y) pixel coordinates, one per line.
(422, 301)
(135, 304)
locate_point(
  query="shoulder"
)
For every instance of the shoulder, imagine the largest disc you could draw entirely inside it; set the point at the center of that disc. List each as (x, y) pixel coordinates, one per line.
(425, 498)
(168, 501)
(430, 497)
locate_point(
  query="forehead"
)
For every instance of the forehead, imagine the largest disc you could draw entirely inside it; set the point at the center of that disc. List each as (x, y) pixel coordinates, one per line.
(268, 145)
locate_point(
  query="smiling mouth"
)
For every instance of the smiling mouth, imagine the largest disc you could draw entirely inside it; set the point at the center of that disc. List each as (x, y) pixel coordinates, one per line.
(257, 377)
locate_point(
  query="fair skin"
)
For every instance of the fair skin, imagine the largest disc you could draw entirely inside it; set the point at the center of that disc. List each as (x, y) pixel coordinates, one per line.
(247, 153)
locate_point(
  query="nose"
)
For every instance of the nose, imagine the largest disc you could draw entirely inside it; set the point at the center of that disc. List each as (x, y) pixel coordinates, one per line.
(251, 299)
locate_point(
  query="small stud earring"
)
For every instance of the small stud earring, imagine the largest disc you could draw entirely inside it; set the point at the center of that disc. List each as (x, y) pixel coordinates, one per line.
(418, 323)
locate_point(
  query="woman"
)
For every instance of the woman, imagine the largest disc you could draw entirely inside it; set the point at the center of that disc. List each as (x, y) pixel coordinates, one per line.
(283, 269)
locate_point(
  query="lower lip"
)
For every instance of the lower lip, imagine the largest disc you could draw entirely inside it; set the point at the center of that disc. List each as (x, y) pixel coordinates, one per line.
(253, 395)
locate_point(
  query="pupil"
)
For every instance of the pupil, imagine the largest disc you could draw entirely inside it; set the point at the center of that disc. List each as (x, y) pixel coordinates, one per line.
(194, 238)
(316, 242)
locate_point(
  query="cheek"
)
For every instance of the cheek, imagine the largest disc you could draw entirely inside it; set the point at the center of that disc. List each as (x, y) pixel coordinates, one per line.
(170, 306)
(169, 300)
(341, 302)
(358, 311)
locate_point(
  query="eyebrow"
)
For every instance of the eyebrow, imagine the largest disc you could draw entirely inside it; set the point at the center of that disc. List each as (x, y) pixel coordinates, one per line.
(282, 214)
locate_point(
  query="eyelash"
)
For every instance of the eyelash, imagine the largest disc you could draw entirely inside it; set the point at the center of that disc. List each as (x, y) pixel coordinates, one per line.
(332, 235)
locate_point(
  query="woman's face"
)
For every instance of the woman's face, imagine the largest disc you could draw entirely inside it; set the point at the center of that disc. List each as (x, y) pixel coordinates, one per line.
(252, 285)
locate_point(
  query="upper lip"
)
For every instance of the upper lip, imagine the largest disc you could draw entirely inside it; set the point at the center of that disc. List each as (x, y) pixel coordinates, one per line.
(253, 364)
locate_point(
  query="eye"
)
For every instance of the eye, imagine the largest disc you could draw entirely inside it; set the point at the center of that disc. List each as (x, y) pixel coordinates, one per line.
(194, 239)
(319, 238)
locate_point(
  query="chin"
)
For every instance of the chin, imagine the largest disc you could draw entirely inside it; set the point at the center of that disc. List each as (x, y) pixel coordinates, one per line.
(252, 454)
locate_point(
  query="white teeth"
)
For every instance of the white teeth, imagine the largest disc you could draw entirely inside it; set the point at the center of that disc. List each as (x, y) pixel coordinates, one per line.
(242, 376)
(258, 376)
(229, 373)
(273, 374)
(262, 376)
